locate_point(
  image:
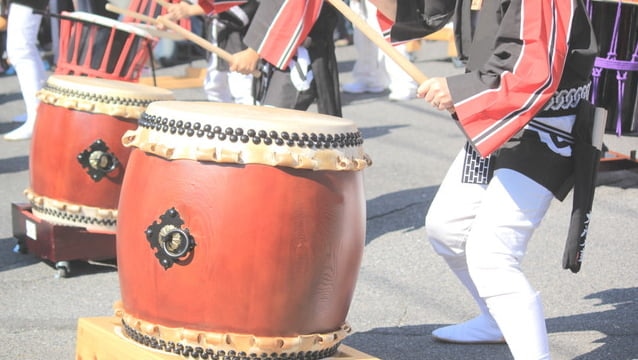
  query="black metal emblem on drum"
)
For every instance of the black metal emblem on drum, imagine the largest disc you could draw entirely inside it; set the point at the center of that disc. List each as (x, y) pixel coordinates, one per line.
(173, 244)
(98, 160)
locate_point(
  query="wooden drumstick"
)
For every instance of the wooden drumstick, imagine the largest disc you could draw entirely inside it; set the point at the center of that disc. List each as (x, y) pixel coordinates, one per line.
(188, 35)
(118, 10)
(191, 36)
(149, 27)
(378, 40)
(163, 3)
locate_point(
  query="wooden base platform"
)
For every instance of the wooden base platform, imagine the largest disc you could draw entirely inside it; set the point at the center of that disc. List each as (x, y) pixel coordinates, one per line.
(59, 244)
(101, 338)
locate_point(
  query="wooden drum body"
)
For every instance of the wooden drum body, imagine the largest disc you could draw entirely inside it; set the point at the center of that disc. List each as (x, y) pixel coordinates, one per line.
(77, 158)
(232, 237)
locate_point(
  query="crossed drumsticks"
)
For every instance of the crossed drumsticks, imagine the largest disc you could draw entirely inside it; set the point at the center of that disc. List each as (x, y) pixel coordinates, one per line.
(342, 7)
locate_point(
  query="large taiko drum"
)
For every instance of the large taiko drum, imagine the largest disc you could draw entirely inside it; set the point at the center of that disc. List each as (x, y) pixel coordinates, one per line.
(241, 230)
(77, 159)
(96, 46)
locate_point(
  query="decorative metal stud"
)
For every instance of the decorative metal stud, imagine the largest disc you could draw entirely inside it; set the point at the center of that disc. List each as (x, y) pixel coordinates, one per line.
(98, 160)
(174, 245)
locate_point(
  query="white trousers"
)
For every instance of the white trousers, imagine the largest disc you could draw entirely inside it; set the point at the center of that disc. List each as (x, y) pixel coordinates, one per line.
(23, 53)
(226, 86)
(485, 230)
(372, 66)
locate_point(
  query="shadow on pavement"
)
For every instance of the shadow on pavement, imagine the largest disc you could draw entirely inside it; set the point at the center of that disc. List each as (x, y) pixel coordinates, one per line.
(12, 259)
(378, 131)
(401, 210)
(14, 164)
(415, 343)
(618, 326)
(624, 178)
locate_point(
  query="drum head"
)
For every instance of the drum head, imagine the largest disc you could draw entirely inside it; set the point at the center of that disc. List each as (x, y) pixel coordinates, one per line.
(243, 134)
(106, 96)
(107, 22)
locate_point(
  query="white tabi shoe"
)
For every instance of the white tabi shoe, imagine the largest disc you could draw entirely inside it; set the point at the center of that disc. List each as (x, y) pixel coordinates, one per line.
(480, 330)
(24, 132)
(359, 87)
(20, 118)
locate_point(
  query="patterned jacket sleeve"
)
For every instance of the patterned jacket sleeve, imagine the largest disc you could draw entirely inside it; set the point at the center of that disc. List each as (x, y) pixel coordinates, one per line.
(279, 27)
(518, 71)
(218, 6)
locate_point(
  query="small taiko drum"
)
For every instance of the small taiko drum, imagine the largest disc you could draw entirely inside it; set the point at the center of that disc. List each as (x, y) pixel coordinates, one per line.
(96, 46)
(240, 231)
(77, 159)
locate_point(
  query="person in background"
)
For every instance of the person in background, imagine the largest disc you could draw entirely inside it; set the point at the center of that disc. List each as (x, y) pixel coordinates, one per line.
(343, 31)
(3, 35)
(23, 53)
(293, 41)
(373, 71)
(226, 31)
(513, 104)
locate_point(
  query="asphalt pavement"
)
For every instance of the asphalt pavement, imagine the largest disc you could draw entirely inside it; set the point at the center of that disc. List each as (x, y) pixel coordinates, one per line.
(404, 290)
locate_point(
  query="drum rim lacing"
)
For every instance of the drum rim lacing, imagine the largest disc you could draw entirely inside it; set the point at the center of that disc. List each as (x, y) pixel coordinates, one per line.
(69, 214)
(230, 346)
(314, 150)
(130, 106)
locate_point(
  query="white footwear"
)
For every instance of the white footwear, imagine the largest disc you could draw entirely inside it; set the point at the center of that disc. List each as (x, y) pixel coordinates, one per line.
(358, 87)
(20, 118)
(24, 132)
(480, 330)
(523, 322)
(401, 95)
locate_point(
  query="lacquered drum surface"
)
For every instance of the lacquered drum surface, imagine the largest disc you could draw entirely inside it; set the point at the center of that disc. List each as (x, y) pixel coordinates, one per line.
(77, 158)
(274, 250)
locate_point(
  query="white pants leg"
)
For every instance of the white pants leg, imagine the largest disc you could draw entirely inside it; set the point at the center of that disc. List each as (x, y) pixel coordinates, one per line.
(486, 228)
(401, 84)
(22, 51)
(369, 68)
(216, 85)
(241, 88)
(226, 86)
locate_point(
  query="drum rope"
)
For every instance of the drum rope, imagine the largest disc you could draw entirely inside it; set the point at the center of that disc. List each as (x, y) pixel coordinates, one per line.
(351, 139)
(199, 352)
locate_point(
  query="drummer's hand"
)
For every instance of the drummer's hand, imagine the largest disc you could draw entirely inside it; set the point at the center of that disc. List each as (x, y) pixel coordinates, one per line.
(184, 9)
(178, 11)
(244, 61)
(158, 23)
(436, 92)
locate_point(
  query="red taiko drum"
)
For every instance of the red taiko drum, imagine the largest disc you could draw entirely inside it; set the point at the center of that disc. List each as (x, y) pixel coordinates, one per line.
(77, 158)
(241, 230)
(96, 46)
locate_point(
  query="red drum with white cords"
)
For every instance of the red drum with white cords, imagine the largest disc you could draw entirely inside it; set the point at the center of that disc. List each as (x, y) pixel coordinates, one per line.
(77, 159)
(96, 46)
(240, 231)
